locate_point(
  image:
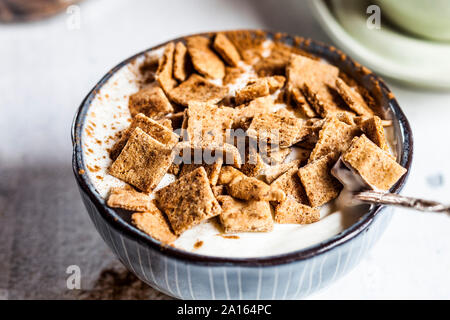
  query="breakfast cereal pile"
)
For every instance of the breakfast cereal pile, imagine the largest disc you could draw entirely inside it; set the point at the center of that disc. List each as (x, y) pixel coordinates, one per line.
(250, 129)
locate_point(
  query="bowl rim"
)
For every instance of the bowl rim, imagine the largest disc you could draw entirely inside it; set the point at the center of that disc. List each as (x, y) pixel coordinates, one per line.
(125, 228)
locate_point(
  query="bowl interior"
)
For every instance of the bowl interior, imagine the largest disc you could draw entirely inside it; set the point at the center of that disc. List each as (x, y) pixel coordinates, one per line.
(371, 82)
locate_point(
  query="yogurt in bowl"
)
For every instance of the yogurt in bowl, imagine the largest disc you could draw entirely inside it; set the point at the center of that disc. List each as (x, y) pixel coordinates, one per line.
(204, 262)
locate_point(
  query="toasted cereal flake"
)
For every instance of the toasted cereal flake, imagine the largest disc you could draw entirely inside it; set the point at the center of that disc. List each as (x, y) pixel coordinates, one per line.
(129, 199)
(301, 103)
(249, 188)
(174, 169)
(316, 79)
(320, 186)
(281, 130)
(275, 155)
(208, 123)
(150, 101)
(197, 89)
(165, 69)
(290, 183)
(181, 63)
(374, 165)
(229, 174)
(335, 137)
(245, 216)
(353, 99)
(291, 211)
(212, 170)
(309, 133)
(153, 223)
(373, 129)
(253, 90)
(275, 82)
(188, 201)
(227, 50)
(142, 162)
(205, 61)
(273, 172)
(253, 163)
(151, 127)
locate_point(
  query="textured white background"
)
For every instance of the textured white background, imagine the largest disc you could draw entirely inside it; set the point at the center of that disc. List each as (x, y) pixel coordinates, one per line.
(46, 70)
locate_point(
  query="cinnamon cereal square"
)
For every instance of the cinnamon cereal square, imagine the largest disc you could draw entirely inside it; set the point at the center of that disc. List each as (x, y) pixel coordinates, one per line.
(253, 90)
(197, 89)
(227, 50)
(353, 99)
(181, 63)
(278, 129)
(299, 101)
(129, 199)
(143, 161)
(205, 61)
(334, 138)
(165, 69)
(374, 165)
(373, 129)
(293, 212)
(188, 201)
(290, 184)
(245, 216)
(320, 186)
(151, 127)
(150, 101)
(153, 223)
(212, 170)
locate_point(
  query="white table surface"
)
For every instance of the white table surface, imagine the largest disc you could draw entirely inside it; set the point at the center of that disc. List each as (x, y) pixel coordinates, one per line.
(46, 69)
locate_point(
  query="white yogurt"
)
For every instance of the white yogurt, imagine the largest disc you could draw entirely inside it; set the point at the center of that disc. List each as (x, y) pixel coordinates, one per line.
(108, 114)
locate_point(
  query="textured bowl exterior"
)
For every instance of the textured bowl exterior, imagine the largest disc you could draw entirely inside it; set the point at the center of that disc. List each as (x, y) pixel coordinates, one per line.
(293, 275)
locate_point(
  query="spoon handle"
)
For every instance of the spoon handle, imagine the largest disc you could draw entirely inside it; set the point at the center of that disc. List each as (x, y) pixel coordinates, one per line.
(393, 199)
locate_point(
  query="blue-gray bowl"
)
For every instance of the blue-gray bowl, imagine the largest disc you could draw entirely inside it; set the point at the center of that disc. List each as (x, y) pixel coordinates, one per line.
(293, 275)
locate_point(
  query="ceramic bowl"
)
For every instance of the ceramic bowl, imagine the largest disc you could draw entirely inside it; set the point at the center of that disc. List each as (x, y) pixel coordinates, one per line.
(293, 275)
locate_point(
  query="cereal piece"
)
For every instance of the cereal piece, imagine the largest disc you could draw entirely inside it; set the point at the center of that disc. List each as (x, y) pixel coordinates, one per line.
(273, 172)
(129, 199)
(208, 153)
(227, 50)
(188, 201)
(346, 118)
(335, 137)
(151, 127)
(253, 90)
(280, 130)
(150, 101)
(319, 184)
(207, 122)
(290, 183)
(246, 188)
(316, 79)
(290, 211)
(374, 165)
(257, 107)
(165, 69)
(212, 170)
(353, 99)
(142, 162)
(181, 64)
(301, 103)
(205, 61)
(245, 216)
(197, 89)
(373, 129)
(153, 223)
